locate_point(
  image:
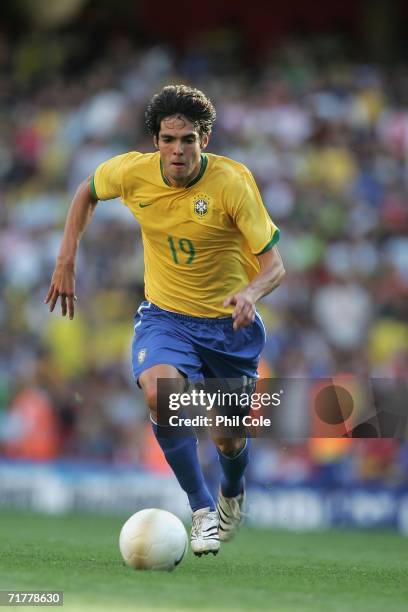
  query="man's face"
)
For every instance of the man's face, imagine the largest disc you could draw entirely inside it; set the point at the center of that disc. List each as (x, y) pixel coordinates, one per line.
(180, 149)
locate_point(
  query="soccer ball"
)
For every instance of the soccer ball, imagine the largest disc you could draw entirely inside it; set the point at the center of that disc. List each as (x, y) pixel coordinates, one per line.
(153, 539)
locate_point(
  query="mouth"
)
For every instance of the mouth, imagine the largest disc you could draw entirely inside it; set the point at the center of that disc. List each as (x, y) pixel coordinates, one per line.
(178, 164)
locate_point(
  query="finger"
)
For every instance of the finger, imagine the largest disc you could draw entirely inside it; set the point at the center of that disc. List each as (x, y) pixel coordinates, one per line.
(241, 322)
(54, 300)
(248, 310)
(49, 294)
(71, 306)
(63, 304)
(238, 323)
(229, 300)
(238, 319)
(244, 319)
(238, 309)
(241, 308)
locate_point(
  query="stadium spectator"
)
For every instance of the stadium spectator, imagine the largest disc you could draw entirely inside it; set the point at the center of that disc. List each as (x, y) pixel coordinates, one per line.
(328, 148)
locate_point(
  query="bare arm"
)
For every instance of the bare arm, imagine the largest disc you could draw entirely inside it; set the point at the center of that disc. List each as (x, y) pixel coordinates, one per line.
(63, 279)
(268, 278)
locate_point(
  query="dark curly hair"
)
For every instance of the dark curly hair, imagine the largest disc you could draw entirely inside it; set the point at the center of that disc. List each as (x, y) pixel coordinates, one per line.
(183, 100)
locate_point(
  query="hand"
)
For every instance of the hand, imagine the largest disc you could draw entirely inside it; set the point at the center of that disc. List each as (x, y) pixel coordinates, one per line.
(62, 286)
(244, 312)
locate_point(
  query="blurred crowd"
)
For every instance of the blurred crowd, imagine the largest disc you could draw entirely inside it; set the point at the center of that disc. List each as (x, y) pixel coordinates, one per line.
(327, 142)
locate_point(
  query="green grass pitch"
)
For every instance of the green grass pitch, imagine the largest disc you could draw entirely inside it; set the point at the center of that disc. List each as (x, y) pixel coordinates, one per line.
(260, 570)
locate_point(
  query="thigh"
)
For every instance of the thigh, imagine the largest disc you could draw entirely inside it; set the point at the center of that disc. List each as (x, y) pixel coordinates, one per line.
(230, 368)
(237, 355)
(157, 341)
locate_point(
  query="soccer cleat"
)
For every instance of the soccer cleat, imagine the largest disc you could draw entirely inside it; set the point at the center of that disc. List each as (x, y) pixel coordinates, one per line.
(230, 512)
(204, 532)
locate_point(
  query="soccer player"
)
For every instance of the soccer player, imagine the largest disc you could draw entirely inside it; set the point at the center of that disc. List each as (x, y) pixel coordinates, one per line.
(210, 254)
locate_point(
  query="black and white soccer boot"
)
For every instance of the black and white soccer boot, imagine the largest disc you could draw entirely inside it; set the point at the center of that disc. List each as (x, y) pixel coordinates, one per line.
(204, 532)
(231, 513)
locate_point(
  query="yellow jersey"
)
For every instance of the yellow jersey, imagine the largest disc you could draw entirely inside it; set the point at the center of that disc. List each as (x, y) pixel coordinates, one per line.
(200, 241)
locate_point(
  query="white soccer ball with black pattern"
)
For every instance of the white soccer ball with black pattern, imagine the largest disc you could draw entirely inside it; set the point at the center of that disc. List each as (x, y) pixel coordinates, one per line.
(153, 539)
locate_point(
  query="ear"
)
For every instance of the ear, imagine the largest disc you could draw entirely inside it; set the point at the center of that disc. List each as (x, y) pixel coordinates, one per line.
(156, 142)
(204, 141)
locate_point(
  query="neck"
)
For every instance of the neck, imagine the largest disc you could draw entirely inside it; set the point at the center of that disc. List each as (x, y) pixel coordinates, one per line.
(180, 182)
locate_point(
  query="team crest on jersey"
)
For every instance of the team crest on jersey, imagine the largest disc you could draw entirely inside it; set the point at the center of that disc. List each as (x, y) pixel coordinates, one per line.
(201, 204)
(141, 356)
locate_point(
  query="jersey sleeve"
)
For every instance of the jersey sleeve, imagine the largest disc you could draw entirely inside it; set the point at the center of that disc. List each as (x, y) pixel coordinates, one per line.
(250, 215)
(108, 181)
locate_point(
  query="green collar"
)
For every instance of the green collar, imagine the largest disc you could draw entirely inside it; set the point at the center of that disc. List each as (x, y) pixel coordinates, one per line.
(203, 166)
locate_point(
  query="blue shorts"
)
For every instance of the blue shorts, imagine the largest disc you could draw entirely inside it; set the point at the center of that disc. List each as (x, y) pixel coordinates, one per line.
(198, 347)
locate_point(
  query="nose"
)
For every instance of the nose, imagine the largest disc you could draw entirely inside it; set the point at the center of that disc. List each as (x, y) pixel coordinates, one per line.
(178, 148)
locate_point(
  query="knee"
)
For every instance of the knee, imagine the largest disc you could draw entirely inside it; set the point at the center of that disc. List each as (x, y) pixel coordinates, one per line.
(150, 394)
(149, 388)
(230, 446)
(148, 383)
